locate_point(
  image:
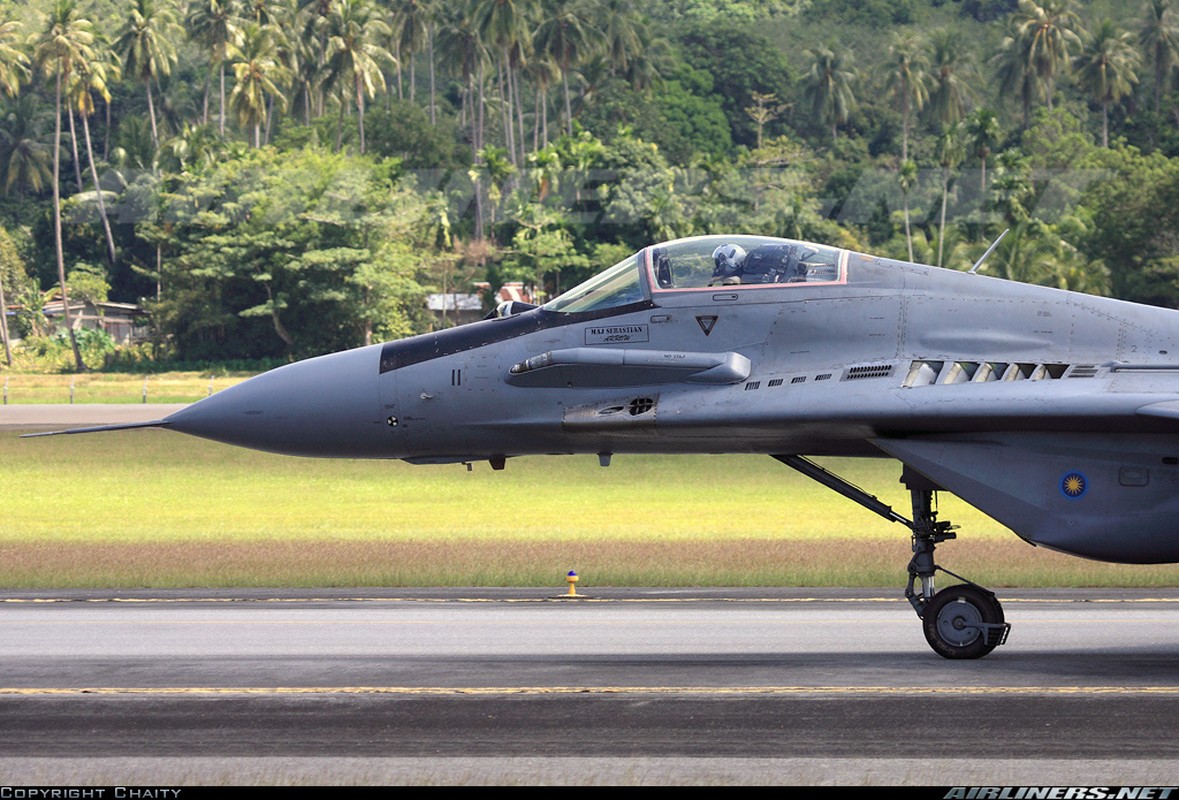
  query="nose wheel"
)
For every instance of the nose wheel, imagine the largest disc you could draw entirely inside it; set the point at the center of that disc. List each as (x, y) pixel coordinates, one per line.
(963, 621)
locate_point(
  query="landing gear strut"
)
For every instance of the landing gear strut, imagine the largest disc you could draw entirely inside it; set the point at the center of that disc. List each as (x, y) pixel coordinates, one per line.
(961, 621)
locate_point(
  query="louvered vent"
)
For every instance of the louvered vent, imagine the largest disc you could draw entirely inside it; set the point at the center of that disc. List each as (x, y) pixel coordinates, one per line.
(876, 371)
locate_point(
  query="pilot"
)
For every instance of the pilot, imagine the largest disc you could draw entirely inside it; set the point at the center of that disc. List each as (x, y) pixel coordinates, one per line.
(729, 260)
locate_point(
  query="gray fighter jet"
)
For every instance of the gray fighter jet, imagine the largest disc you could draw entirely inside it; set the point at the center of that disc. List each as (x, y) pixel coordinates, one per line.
(1053, 412)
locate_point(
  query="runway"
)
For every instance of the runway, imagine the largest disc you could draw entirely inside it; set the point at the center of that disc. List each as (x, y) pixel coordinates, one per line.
(630, 686)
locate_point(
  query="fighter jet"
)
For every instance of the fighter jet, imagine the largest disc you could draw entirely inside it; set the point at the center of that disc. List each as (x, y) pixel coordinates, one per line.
(1055, 413)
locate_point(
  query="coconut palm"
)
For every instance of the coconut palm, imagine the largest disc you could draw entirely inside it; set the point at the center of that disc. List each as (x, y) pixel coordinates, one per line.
(1015, 75)
(462, 48)
(412, 20)
(258, 78)
(505, 27)
(1050, 32)
(568, 34)
(948, 88)
(1107, 69)
(14, 62)
(65, 44)
(624, 32)
(89, 79)
(214, 23)
(907, 82)
(949, 149)
(354, 54)
(148, 46)
(983, 132)
(829, 87)
(26, 152)
(1159, 39)
(908, 179)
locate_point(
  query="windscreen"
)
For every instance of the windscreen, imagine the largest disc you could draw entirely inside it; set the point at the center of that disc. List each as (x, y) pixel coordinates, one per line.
(618, 286)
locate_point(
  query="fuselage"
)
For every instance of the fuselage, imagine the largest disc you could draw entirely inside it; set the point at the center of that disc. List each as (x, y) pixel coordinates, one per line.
(878, 348)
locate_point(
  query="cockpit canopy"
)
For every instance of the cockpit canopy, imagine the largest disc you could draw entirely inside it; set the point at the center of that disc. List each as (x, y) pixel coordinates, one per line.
(705, 262)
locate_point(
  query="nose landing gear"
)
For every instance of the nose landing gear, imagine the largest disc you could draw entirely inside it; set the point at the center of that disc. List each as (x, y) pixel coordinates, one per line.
(961, 621)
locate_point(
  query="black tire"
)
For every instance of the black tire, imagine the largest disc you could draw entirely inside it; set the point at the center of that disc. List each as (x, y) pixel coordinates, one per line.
(948, 621)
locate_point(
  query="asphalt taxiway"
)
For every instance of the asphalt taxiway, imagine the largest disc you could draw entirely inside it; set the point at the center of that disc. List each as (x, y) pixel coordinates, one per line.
(478, 686)
(635, 686)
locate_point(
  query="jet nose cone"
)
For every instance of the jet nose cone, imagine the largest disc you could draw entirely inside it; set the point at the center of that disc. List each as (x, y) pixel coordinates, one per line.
(326, 406)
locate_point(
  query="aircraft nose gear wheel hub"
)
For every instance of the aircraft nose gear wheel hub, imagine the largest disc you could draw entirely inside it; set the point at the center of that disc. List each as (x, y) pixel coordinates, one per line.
(963, 622)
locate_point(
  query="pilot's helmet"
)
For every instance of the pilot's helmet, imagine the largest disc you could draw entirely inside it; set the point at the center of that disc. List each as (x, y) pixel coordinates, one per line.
(728, 259)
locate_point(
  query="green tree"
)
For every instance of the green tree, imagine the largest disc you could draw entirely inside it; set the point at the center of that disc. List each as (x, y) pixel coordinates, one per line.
(1134, 212)
(215, 25)
(983, 132)
(1014, 73)
(1050, 32)
(287, 254)
(91, 78)
(12, 274)
(412, 23)
(1158, 36)
(14, 62)
(354, 54)
(26, 151)
(65, 44)
(1106, 69)
(907, 177)
(948, 88)
(258, 79)
(829, 87)
(568, 34)
(147, 43)
(949, 150)
(906, 80)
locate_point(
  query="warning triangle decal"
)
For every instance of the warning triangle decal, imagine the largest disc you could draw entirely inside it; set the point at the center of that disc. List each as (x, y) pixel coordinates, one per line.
(706, 324)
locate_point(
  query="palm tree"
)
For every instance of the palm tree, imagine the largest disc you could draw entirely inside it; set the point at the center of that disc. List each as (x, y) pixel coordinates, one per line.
(64, 45)
(949, 90)
(908, 178)
(147, 44)
(544, 73)
(1107, 69)
(411, 21)
(1014, 73)
(258, 79)
(354, 54)
(214, 23)
(506, 26)
(568, 34)
(982, 127)
(1159, 39)
(92, 78)
(907, 82)
(14, 63)
(26, 153)
(829, 87)
(624, 32)
(462, 48)
(1050, 33)
(949, 148)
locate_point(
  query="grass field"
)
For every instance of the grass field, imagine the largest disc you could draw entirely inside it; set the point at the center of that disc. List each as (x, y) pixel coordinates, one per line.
(102, 387)
(155, 509)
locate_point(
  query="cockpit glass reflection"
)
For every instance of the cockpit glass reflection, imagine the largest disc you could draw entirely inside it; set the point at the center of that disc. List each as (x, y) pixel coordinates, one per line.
(618, 286)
